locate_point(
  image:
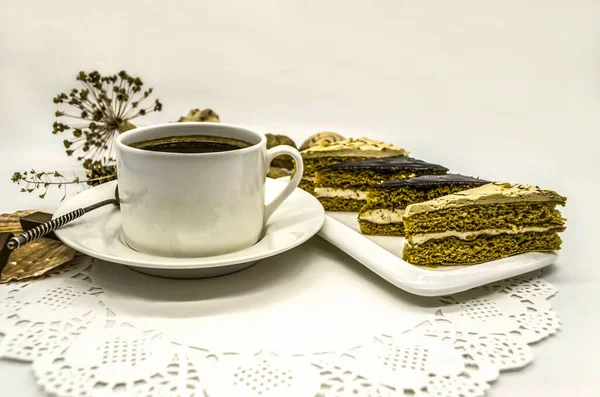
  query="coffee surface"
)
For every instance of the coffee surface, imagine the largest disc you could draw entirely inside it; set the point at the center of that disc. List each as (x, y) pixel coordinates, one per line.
(191, 144)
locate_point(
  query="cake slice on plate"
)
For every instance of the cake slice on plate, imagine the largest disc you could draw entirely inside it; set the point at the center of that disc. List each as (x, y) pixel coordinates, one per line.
(343, 186)
(382, 214)
(352, 149)
(489, 222)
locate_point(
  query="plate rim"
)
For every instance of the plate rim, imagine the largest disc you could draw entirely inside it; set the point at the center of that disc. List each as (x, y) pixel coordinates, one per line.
(418, 280)
(174, 263)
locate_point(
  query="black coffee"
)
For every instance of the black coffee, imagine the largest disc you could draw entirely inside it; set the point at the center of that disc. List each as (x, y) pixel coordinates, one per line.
(191, 144)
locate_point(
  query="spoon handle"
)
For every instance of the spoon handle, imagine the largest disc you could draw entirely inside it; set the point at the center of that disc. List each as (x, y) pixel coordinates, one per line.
(43, 229)
(52, 225)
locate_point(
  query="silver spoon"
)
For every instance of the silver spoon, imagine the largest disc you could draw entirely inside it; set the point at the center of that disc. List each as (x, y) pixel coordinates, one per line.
(50, 226)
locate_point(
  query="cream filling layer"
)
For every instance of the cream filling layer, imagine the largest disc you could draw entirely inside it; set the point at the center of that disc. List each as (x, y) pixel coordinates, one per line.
(418, 239)
(382, 216)
(340, 193)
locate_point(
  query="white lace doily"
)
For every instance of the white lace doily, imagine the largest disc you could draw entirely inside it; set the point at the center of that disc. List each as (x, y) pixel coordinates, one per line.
(100, 329)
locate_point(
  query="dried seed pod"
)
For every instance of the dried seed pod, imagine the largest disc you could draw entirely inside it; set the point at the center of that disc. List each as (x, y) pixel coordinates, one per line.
(276, 172)
(281, 161)
(277, 140)
(206, 115)
(325, 137)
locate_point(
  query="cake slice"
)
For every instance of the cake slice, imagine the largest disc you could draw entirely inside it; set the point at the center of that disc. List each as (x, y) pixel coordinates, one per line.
(343, 186)
(352, 149)
(382, 214)
(489, 222)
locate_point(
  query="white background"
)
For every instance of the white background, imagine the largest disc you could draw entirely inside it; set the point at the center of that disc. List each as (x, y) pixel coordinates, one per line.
(505, 90)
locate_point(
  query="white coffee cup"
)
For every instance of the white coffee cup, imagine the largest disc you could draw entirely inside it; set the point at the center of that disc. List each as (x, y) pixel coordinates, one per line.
(196, 204)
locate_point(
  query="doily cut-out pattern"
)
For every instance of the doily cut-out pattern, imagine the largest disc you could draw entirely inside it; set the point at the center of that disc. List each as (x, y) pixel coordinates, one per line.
(79, 347)
(37, 317)
(338, 380)
(263, 375)
(118, 360)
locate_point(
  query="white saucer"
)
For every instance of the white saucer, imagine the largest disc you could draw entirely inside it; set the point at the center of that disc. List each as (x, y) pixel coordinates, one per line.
(99, 234)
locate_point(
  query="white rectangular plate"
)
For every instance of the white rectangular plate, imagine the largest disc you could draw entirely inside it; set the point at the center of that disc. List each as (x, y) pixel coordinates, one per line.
(383, 255)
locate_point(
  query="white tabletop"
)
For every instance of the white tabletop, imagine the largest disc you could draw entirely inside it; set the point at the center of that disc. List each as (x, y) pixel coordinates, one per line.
(502, 90)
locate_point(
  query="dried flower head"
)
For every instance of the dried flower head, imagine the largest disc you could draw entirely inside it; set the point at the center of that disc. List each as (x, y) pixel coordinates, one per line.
(104, 107)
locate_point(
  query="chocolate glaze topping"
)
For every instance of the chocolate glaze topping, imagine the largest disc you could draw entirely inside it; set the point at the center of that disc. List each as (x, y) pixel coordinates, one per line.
(434, 180)
(388, 163)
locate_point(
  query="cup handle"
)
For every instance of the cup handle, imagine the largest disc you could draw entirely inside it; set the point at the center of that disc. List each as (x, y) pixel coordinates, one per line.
(294, 181)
